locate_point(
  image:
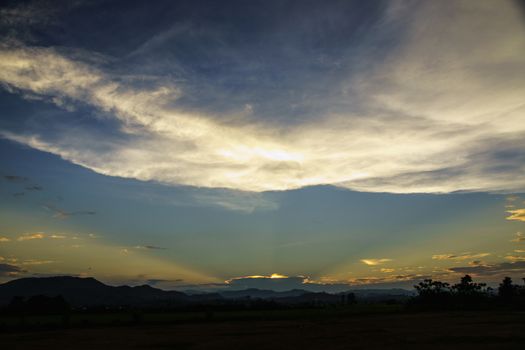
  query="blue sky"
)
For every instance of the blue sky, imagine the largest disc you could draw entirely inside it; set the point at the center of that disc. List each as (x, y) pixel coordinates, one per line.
(204, 144)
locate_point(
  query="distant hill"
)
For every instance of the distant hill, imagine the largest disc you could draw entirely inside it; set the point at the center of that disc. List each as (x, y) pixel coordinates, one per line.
(362, 294)
(88, 292)
(261, 293)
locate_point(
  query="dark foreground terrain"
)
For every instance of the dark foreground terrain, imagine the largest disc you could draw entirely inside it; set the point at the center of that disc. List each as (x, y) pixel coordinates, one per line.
(437, 330)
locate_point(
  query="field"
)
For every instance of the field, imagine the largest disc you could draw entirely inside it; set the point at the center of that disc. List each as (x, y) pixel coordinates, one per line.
(302, 330)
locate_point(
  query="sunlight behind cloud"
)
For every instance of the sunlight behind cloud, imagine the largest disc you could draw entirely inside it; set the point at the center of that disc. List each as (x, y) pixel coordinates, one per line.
(428, 121)
(374, 262)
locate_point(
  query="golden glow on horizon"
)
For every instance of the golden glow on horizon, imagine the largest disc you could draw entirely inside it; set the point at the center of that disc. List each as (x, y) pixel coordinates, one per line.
(272, 276)
(73, 254)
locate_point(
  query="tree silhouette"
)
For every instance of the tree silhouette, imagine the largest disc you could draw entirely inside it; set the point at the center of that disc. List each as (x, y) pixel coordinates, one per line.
(506, 290)
(430, 288)
(466, 293)
(433, 293)
(466, 287)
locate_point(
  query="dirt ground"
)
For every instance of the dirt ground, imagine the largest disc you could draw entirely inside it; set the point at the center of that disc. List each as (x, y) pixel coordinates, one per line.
(472, 330)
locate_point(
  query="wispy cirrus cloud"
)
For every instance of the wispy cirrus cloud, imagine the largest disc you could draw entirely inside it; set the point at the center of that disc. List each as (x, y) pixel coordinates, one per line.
(62, 214)
(150, 247)
(396, 278)
(31, 236)
(34, 262)
(42, 235)
(513, 267)
(417, 127)
(462, 256)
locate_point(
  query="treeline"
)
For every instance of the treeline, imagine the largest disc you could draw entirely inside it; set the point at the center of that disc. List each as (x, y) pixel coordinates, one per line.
(467, 294)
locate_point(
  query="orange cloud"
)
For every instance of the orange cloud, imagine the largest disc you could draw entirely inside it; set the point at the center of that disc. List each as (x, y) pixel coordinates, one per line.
(515, 258)
(27, 237)
(516, 214)
(462, 256)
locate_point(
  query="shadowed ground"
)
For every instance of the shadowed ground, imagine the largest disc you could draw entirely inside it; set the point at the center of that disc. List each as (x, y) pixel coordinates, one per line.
(472, 330)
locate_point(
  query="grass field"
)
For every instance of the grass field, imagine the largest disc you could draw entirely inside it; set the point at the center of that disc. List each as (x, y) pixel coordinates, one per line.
(395, 330)
(77, 319)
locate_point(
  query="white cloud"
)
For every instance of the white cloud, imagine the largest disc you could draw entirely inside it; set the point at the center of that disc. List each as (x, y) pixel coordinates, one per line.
(439, 113)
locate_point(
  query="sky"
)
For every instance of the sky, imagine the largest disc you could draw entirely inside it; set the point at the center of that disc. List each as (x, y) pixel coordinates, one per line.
(206, 145)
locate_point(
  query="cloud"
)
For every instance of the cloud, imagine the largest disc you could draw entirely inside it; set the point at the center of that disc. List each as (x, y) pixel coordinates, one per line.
(443, 112)
(392, 279)
(31, 236)
(31, 13)
(41, 235)
(520, 237)
(15, 178)
(151, 247)
(462, 256)
(4, 239)
(279, 282)
(515, 258)
(492, 269)
(36, 262)
(241, 201)
(387, 270)
(61, 214)
(34, 188)
(516, 214)
(9, 270)
(374, 262)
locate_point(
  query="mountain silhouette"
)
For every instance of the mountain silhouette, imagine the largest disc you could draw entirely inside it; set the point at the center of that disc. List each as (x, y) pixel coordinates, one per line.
(88, 291)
